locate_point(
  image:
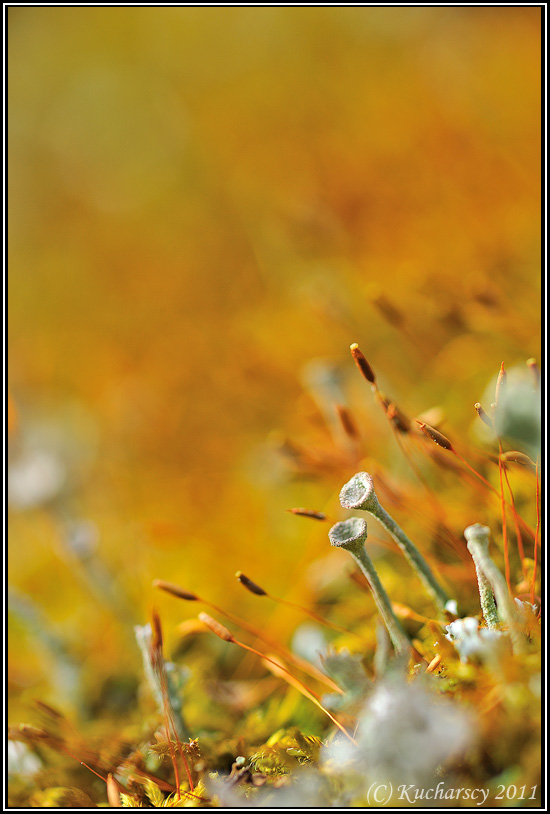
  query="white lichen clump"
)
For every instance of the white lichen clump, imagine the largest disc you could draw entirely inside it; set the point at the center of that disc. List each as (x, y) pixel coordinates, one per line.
(474, 643)
(405, 733)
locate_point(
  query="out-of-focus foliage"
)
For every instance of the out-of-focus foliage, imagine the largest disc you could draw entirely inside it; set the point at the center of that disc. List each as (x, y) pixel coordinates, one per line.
(207, 206)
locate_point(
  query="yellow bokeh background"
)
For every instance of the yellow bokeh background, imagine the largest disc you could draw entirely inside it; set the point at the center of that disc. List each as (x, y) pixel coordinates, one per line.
(203, 202)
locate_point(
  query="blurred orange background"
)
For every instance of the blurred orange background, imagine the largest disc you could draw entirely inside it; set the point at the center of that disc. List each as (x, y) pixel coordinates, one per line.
(204, 202)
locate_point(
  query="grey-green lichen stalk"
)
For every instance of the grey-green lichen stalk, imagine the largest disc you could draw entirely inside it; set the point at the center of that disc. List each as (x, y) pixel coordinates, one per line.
(358, 493)
(351, 535)
(477, 539)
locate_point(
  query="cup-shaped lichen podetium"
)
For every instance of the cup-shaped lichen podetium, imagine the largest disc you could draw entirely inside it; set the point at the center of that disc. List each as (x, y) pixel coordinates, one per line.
(351, 535)
(358, 493)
